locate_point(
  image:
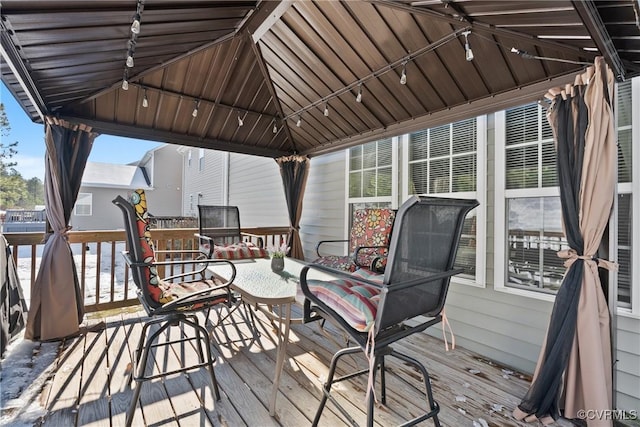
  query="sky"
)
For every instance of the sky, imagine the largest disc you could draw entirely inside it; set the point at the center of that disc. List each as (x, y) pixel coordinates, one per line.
(31, 148)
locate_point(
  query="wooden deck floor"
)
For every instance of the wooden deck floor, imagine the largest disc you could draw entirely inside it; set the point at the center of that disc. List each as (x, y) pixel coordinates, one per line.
(90, 384)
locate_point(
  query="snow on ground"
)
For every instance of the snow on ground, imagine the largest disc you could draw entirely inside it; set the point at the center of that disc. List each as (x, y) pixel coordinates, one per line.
(27, 365)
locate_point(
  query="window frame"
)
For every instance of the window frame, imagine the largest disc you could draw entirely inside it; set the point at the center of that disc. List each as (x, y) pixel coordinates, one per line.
(90, 204)
(480, 280)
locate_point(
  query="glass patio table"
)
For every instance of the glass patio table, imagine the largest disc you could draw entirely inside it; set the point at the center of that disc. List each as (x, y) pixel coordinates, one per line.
(273, 294)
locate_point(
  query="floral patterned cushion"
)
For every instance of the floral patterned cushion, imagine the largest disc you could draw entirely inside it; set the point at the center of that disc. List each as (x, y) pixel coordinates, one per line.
(371, 227)
(160, 291)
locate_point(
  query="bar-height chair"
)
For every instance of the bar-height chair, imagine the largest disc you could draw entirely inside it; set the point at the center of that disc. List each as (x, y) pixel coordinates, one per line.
(374, 309)
(170, 301)
(220, 235)
(368, 241)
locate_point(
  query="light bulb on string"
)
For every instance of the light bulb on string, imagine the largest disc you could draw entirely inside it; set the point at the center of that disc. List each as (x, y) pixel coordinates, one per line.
(299, 122)
(125, 81)
(135, 25)
(359, 95)
(275, 127)
(403, 77)
(194, 113)
(129, 59)
(467, 49)
(326, 110)
(240, 121)
(145, 100)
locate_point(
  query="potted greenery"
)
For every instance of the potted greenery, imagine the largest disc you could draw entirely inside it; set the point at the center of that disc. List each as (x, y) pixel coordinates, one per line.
(277, 256)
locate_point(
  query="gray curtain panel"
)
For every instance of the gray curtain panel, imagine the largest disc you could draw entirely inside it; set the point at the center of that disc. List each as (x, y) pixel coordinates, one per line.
(57, 307)
(13, 308)
(294, 170)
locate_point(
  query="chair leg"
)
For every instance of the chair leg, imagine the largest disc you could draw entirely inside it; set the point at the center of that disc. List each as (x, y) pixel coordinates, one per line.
(383, 383)
(434, 408)
(144, 346)
(202, 334)
(326, 391)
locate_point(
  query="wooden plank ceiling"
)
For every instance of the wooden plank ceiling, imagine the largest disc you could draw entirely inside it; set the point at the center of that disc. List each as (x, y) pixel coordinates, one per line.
(274, 78)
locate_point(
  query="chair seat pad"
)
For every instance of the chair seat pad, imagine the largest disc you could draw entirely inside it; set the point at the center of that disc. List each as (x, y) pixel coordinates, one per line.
(337, 262)
(239, 251)
(355, 302)
(172, 291)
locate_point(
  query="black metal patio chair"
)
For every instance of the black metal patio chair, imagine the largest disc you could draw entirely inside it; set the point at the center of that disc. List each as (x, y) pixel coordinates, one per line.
(378, 310)
(169, 301)
(220, 235)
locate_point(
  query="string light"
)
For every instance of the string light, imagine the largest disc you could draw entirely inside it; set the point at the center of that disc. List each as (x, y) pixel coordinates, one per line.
(195, 109)
(125, 81)
(135, 25)
(326, 110)
(359, 96)
(145, 100)
(240, 121)
(275, 127)
(467, 49)
(130, 59)
(299, 122)
(403, 77)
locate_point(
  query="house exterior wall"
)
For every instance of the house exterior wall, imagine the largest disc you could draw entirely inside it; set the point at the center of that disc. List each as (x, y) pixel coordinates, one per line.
(204, 182)
(104, 214)
(165, 171)
(255, 187)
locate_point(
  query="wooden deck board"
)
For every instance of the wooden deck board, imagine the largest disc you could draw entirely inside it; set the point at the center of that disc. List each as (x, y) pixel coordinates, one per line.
(91, 386)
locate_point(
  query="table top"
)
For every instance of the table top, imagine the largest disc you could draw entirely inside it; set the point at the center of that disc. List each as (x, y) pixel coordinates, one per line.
(254, 279)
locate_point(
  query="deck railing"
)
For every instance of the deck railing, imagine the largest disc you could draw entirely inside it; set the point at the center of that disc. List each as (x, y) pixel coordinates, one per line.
(105, 279)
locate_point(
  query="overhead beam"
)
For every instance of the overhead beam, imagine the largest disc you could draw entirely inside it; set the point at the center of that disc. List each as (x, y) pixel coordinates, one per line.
(148, 134)
(591, 18)
(486, 105)
(270, 20)
(14, 61)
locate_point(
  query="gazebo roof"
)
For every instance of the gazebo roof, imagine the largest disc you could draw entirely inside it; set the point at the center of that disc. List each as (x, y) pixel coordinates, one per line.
(274, 64)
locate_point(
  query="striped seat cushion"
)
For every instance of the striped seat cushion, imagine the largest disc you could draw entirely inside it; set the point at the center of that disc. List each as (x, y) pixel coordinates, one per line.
(239, 251)
(172, 291)
(355, 302)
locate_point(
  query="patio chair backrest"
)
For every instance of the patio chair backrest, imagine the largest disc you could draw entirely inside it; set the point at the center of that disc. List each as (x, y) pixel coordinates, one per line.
(140, 246)
(370, 227)
(220, 223)
(424, 243)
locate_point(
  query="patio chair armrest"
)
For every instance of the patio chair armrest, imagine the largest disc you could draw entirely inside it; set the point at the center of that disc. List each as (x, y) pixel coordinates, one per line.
(210, 242)
(399, 286)
(339, 274)
(375, 259)
(328, 241)
(258, 238)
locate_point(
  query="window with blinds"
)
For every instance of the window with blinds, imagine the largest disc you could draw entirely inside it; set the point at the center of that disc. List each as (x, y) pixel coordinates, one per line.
(534, 227)
(624, 120)
(530, 152)
(534, 237)
(624, 249)
(443, 160)
(370, 167)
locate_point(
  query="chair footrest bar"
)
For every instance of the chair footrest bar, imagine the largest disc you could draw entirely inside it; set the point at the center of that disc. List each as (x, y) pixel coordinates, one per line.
(176, 371)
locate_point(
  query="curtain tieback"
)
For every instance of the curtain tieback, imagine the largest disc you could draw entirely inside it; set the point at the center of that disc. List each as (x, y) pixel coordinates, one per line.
(572, 256)
(64, 232)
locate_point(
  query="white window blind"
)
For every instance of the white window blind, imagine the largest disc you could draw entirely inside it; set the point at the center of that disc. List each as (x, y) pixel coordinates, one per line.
(370, 169)
(530, 153)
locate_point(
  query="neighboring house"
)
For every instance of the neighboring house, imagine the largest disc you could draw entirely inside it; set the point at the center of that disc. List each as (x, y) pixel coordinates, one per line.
(159, 172)
(101, 183)
(500, 306)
